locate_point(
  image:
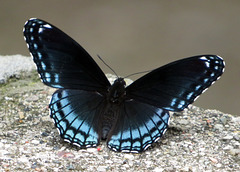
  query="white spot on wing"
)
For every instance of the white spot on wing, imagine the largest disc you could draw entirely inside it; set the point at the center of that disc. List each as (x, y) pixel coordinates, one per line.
(66, 140)
(207, 64)
(76, 144)
(203, 58)
(32, 19)
(47, 26)
(40, 30)
(147, 147)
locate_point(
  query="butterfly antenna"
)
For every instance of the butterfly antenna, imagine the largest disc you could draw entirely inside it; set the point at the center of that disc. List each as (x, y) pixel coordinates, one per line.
(107, 65)
(138, 73)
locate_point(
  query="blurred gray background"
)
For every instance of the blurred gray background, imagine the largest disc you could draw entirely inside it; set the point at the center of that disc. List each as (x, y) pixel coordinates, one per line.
(136, 35)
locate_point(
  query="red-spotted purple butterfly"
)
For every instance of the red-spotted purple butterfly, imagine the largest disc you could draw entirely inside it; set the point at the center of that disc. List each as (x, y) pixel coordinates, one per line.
(87, 108)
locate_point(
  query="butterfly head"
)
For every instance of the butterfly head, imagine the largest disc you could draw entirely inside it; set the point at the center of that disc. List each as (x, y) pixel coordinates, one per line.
(116, 92)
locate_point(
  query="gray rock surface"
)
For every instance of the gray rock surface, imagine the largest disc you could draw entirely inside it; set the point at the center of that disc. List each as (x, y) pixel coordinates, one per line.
(14, 66)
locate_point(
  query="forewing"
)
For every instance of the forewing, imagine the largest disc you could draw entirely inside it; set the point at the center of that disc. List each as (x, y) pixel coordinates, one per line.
(61, 61)
(138, 126)
(176, 85)
(76, 115)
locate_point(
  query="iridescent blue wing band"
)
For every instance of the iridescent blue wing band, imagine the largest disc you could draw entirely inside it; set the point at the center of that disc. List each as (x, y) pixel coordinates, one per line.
(139, 125)
(76, 115)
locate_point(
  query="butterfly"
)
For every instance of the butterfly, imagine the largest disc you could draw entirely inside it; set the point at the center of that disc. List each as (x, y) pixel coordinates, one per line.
(86, 108)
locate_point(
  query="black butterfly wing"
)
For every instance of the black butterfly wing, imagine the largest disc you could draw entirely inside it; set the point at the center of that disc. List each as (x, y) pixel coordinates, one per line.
(143, 117)
(76, 114)
(176, 85)
(61, 61)
(138, 126)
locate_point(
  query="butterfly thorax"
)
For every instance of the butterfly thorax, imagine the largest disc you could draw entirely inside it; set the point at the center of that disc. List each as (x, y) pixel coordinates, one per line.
(116, 92)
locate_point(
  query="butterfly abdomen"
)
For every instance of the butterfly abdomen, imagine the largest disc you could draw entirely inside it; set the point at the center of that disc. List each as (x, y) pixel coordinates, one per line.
(109, 118)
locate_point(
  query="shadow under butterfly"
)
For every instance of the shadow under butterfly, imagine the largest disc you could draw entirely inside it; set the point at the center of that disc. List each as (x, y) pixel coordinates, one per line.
(87, 108)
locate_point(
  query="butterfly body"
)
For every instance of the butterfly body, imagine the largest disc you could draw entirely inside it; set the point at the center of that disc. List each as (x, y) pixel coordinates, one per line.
(87, 108)
(115, 96)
